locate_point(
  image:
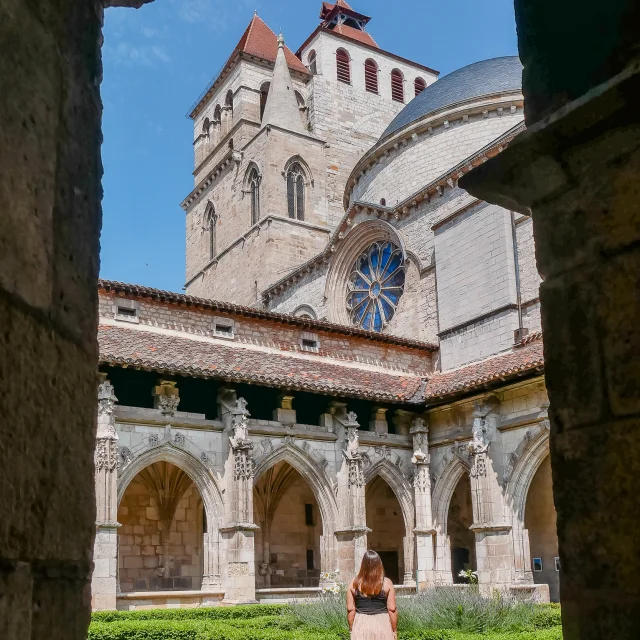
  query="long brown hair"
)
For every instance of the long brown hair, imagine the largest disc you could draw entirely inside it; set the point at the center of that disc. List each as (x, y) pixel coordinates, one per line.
(369, 579)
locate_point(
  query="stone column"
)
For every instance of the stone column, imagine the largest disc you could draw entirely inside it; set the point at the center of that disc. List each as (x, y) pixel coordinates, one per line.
(494, 542)
(104, 583)
(211, 560)
(238, 530)
(285, 413)
(351, 532)
(402, 421)
(379, 423)
(424, 531)
(166, 397)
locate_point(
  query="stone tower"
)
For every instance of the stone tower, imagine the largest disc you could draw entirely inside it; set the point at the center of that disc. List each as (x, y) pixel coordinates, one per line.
(276, 137)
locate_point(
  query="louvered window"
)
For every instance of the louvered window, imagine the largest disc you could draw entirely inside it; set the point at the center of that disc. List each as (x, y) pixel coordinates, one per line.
(344, 66)
(371, 76)
(295, 192)
(313, 64)
(254, 189)
(419, 85)
(397, 86)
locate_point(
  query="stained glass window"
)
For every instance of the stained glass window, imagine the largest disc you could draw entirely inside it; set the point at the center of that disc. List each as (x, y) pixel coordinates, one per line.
(375, 286)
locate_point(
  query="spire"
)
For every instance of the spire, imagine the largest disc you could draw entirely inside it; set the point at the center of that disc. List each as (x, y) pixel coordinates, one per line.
(282, 107)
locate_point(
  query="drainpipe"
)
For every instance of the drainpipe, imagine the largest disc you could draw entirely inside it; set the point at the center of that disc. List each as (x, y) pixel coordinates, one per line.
(519, 334)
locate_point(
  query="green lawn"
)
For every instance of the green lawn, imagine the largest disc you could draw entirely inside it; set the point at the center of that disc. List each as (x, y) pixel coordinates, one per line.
(276, 622)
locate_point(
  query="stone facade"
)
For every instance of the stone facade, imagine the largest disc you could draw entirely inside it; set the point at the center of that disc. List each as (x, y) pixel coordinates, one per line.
(268, 504)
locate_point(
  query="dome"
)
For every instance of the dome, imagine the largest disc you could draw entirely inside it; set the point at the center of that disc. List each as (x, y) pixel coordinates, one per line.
(487, 77)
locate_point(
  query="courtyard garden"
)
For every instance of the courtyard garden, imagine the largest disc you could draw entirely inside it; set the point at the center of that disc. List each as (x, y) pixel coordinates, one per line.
(439, 614)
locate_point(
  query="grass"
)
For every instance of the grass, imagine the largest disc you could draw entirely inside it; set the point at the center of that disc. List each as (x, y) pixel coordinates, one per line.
(440, 614)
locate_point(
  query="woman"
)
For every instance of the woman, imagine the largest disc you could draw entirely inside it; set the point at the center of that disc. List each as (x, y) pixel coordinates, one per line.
(371, 602)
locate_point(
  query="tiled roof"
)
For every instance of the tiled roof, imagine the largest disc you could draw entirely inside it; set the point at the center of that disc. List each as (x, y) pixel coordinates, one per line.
(135, 290)
(355, 34)
(523, 360)
(260, 41)
(182, 355)
(487, 77)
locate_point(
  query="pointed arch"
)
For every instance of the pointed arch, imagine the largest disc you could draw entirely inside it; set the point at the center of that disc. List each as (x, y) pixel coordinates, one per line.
(210, 222)
(528, 462)
(264, 94)
(302, 462)
(252, 180)
(400, 486)
(443, 492)
(201, 476)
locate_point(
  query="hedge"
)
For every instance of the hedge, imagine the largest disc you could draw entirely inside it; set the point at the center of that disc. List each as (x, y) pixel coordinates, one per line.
(244, 612)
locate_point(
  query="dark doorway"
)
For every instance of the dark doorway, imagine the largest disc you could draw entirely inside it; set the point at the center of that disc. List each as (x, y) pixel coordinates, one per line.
(390, 564)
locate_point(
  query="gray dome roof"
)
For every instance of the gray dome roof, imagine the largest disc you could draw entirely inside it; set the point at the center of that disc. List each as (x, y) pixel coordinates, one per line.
(497, 75)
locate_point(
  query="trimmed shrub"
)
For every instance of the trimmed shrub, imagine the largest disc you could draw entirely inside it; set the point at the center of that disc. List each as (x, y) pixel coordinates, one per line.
(244, 612)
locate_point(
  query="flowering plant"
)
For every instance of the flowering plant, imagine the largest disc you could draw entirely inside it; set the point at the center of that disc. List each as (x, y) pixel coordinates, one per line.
(470, 576)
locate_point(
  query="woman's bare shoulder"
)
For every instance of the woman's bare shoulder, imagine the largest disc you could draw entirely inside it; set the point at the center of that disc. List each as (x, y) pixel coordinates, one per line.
(388, 585)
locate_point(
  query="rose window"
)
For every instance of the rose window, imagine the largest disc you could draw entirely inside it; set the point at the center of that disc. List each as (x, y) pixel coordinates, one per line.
(375, 286)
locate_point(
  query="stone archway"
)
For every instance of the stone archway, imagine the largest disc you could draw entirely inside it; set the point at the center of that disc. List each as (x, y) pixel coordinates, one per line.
(529, 489)
(403, 497)
(207, 488)
(320, 486)
(454, 473)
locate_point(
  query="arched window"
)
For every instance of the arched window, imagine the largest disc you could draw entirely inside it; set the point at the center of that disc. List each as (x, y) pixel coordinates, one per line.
(205, 126)
(313, 63)
(419, 85)
(397, 85)
(344, 66)
(253, 183)
(228, 102)
(371, 76)
(264, 92)
(295, 192)
(210, 219)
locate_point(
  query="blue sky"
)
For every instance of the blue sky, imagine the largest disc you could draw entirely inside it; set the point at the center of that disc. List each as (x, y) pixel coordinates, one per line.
(158, 59)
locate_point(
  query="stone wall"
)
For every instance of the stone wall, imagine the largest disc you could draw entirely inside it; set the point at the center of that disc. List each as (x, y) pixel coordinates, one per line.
(150, 558)
(50, 196)
(347, 116)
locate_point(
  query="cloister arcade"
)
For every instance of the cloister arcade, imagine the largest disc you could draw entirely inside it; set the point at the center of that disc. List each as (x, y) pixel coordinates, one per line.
(174, 537)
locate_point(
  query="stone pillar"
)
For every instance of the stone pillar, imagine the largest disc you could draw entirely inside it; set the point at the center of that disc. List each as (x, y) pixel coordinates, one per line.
(104, 582)
(166, 397)
(424, 531)
(494, 543)
(238, 530)
(351, 532)
(402, 421)
(211, 560)
(379, 423)
(285, 413)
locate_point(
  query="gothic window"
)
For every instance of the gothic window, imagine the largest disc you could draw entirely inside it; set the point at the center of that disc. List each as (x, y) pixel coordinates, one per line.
(344, 66)
(295, 192)
(264, 93)
(210, 227)
(397, 85)
(254, 191)
(313, 63)
(371, 76)
(419, 85)
(375, 286)
(205, 126)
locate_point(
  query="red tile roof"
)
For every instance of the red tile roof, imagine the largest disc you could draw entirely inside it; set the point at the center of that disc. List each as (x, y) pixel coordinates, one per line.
(260, 41)
(186, 356)
(527, 358)
(355, 34)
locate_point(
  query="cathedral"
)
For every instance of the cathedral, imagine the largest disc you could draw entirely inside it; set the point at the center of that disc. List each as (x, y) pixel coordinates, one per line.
(357, 360)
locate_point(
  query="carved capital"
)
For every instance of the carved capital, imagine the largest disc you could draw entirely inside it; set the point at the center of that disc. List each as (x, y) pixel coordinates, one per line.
(166, 397)
(106, 455)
